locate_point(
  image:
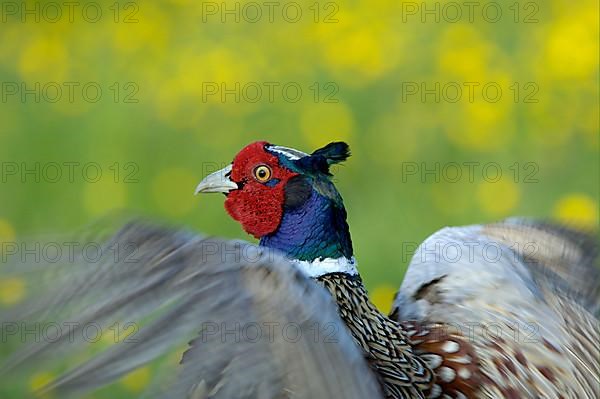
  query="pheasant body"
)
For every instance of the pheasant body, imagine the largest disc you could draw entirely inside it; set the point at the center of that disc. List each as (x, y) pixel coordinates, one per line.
(384, 342)
(532, 330)
(463, 325)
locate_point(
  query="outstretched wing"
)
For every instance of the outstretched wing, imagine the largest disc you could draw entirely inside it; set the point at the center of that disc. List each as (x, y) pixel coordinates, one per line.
(260, 328)
(563, 260)
(524, 293)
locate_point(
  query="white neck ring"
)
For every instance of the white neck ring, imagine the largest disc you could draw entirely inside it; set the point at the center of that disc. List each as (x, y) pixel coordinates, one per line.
(320, 267)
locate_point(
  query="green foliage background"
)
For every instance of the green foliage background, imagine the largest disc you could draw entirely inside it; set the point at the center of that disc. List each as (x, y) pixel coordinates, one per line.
(363, 55)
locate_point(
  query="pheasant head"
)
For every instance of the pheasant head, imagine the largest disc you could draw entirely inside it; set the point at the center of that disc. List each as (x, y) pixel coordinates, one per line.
(286, 199)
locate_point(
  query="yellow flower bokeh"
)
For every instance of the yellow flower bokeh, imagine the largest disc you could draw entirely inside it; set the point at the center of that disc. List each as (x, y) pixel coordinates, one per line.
(137, 380)
(572, 45)
(39, 380)
(7, 231)
(464, 53)
(44, 59)
(140, 28)
(12, 290)
(577, 209)
(383, 297)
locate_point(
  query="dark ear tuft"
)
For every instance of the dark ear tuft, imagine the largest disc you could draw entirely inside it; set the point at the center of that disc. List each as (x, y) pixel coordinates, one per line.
(333, 152)
(320, 160)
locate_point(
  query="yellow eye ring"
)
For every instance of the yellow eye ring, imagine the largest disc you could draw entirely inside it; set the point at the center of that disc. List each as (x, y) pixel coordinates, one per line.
(262, 173)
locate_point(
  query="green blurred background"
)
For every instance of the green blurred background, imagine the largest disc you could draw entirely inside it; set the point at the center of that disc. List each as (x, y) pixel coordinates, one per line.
(382, 76)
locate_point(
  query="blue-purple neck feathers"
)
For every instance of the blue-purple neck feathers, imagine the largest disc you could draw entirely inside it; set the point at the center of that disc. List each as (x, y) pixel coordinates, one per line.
(313, 229)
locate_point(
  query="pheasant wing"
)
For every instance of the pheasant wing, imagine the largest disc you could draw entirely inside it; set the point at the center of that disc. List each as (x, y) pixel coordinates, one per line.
(260, 328)
(524, 295)
(562, 259)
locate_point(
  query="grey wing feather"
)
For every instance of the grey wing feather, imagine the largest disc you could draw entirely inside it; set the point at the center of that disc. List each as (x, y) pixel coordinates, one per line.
(524, 292)
(261, 328)
(563, 258)
(538, 258)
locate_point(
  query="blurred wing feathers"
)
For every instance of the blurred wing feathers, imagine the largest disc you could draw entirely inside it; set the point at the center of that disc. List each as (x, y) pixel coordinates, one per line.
(261, 328)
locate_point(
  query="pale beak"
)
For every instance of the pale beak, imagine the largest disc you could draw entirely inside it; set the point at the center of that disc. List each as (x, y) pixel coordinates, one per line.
(217, 182)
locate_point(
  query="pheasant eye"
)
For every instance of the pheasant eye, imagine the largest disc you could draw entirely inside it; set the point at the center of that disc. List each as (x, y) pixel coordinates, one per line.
(262, 173)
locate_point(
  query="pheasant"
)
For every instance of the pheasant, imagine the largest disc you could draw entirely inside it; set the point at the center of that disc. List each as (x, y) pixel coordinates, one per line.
(464, 325)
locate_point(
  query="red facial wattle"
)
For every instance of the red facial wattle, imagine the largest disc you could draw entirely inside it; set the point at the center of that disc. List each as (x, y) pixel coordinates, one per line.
(258, 206)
